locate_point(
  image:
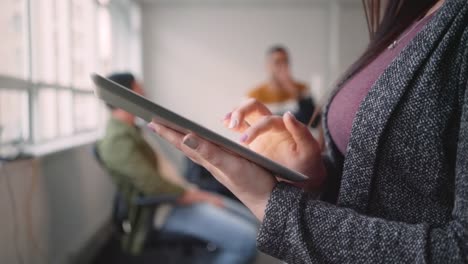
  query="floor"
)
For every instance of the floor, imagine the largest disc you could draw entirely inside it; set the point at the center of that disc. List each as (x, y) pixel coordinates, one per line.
(111, 253)
(265, 259)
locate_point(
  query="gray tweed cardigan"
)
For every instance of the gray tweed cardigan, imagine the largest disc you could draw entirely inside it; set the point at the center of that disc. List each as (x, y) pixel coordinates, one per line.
(403, 190)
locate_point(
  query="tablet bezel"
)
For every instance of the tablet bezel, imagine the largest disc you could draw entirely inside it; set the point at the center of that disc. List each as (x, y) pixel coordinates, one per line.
(121, 97)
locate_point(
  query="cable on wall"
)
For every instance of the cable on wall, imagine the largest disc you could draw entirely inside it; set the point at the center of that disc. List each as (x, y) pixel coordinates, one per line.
(14, 211)
(28, 207)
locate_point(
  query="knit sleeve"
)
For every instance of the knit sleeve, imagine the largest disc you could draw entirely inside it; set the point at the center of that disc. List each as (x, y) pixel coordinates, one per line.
(299, 229)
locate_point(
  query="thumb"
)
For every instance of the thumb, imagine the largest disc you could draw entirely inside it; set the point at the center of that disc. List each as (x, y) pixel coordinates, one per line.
(299, 132)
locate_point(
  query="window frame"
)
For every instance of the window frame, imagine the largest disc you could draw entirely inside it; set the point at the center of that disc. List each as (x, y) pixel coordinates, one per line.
(8, 83)
(32, 88)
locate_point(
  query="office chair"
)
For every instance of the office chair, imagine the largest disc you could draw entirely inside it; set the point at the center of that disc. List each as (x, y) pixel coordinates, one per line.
(179, 245)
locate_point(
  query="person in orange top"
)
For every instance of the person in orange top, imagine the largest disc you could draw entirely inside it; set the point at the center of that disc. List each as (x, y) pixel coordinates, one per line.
(281, 93)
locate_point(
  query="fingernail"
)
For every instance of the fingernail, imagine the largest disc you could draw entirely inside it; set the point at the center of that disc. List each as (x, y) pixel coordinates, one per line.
(233, 123)
(228, 115)
(291, 115)
(150, 126)
(244, 138)
(191, 142)
(154, 127)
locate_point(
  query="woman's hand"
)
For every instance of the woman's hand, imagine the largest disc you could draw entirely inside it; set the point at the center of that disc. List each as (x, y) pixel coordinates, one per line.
(282, 139)
(250, 183)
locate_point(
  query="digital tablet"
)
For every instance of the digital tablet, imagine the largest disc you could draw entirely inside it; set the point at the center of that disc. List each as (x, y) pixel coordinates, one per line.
(121, 97)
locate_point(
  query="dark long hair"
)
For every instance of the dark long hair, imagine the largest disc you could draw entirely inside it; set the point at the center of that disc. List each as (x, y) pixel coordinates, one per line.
(386, 20)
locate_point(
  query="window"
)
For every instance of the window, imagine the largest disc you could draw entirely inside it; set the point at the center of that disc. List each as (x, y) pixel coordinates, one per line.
(12, 28)
(65, 113)
(47, 115)
(13, 115)
(52, 41)
(50, 48)
(86, 112)
(105, 39)
(84, 38)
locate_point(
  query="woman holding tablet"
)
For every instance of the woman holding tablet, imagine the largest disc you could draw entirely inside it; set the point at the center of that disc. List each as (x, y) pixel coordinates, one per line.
(393, 178)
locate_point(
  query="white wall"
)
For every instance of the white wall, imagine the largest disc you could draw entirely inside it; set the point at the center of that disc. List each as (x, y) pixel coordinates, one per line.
(200, 58)
(126, 36)
(62, 200)
(353, 35)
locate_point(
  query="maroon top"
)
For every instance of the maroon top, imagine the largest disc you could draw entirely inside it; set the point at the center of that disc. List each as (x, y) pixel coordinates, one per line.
(346, 102)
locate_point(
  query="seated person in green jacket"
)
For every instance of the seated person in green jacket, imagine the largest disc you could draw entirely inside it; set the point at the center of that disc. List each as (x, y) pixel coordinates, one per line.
(135, 165)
